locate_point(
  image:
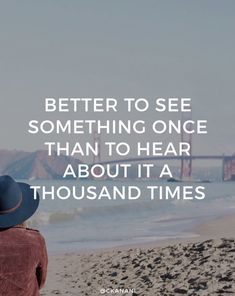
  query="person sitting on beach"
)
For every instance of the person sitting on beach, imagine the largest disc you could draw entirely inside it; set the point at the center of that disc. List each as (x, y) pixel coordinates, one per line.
(23, 255)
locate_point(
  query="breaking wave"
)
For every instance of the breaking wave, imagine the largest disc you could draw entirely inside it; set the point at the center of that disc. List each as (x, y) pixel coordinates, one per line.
(62, 216)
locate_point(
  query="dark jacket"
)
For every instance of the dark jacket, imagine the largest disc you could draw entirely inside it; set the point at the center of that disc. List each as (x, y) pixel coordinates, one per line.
(23, 262)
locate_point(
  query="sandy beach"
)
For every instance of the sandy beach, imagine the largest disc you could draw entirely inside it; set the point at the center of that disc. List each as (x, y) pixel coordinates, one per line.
(200, 266)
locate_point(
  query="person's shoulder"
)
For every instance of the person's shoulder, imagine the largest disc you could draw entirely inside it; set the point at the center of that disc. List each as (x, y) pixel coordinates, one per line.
(33, 231)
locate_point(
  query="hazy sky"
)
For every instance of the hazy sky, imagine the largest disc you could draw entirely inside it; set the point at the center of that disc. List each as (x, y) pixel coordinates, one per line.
(117, 49)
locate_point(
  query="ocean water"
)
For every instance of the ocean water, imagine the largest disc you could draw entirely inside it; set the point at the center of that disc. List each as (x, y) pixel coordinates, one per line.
(75, 225)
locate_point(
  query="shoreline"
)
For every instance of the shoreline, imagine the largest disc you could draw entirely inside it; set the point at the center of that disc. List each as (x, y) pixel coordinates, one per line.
(212, 228)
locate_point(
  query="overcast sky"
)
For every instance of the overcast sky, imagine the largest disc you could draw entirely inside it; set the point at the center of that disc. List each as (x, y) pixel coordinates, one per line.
(117, 49)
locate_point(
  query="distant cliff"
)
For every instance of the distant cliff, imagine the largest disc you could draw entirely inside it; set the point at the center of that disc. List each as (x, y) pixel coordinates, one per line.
(34, 165)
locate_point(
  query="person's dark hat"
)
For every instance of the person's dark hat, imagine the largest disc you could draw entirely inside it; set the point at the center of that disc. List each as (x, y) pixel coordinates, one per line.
(17, 202)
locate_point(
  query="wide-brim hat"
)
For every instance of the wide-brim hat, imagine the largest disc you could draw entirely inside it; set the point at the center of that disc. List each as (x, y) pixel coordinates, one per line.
(17, 202)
